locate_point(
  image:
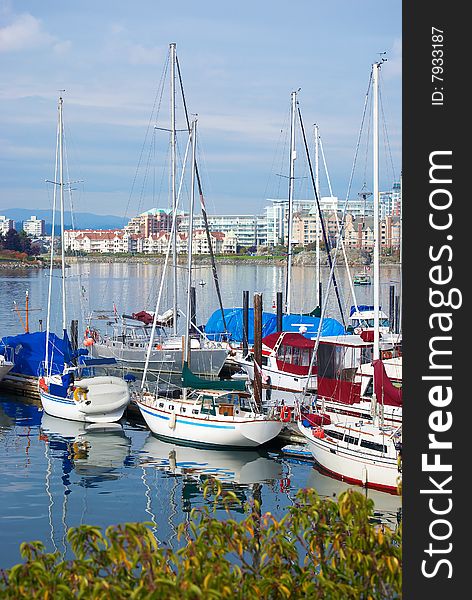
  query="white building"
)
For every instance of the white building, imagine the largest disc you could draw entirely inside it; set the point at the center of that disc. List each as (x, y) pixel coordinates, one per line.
(276, 215)
(34, 227)
(249, 230)
(6, 224)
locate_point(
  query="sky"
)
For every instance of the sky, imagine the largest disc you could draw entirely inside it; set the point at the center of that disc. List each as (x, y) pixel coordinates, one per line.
(240, 62)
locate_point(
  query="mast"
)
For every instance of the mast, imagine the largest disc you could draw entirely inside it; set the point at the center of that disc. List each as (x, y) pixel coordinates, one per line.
(317, 226)
(61, 200)
(190, 240)
(375, 80)
(173, 178)
(293, 156)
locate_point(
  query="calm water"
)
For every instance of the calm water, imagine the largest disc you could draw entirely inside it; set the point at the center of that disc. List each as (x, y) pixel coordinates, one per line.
(54, 475)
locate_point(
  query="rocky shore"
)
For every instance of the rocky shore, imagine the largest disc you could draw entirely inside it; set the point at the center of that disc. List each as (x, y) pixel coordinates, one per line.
(304, 258)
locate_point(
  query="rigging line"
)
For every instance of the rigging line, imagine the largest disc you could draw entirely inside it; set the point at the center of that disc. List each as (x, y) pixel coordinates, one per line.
(323, 225)
(202, 204)
(157, 101)
(339, 227)
(386, 138)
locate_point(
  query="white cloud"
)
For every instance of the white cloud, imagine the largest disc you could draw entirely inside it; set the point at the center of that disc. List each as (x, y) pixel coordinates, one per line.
(23, 33)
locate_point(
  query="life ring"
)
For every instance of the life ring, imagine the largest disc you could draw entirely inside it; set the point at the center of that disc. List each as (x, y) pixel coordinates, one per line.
(88, 342)
(285, 484)
(358, 330)
(285, 414)
(43, 385)
(319, 433)
(80, 394)
(158, 346)
(387, 354)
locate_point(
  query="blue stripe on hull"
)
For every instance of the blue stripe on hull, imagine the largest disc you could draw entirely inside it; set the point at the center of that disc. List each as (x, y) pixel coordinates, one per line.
(184, 422)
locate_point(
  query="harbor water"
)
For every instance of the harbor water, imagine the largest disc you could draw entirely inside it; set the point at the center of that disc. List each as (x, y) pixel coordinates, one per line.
(55, 474)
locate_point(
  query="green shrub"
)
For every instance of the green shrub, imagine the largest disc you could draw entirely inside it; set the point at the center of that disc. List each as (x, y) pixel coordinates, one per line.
(321, 549)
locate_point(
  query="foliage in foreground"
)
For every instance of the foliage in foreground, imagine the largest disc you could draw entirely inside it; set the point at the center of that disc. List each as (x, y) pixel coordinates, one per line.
(321, 548)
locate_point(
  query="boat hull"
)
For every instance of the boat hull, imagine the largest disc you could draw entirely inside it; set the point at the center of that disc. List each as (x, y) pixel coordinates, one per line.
(205, 361)
(208, 432)
(106, 401)
(353, 466)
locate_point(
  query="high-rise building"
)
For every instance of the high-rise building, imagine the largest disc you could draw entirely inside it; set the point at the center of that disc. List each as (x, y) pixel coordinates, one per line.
(34, 227)
(6, 224)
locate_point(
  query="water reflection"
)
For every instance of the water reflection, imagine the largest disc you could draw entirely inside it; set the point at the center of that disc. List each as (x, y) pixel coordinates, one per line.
(236, 466)
(96, 451)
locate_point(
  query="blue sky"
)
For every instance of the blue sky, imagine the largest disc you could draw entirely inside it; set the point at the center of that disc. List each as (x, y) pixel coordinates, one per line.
(240, 63)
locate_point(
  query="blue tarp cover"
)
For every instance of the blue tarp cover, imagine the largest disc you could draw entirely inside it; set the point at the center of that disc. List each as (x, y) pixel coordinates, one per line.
(29, 352)
(234, 322)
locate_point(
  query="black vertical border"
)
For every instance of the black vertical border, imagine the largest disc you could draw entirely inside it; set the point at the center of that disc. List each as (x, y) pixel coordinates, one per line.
(428, 128)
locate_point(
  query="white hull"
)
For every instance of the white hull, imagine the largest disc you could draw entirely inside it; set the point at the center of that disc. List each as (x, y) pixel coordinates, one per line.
(205, 361)
(5, 368)
(353, 465)
(281, 380)
(106, 401)
(206, 430)
(392, 415)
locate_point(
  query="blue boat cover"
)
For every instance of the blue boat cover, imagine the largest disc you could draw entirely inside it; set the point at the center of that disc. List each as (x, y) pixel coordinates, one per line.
(214, 327)
(362, 307)
(29, 352)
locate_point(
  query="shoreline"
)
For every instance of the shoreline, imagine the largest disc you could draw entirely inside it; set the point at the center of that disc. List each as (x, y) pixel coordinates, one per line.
(305, 259)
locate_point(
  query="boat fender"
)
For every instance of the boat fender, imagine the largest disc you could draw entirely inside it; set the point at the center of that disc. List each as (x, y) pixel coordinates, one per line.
(43, 385)
(285, 414)
(172, 420)
(80, 394)
(318, 432)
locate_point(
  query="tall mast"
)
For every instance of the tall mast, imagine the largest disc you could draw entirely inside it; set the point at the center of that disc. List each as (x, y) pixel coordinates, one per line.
(317, 226)
(375, 81)
(190, 243)
(61, 199)
(293, 156)
(173, 178)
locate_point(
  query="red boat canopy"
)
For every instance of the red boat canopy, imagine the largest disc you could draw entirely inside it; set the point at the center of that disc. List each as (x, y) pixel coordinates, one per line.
(385, 391)
(296, 340)
(143, 316)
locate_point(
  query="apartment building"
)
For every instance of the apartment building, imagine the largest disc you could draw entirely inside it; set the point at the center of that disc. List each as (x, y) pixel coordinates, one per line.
(34, 227)
(6, 224)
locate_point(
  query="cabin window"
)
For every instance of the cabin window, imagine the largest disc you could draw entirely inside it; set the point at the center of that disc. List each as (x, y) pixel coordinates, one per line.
(195, 411)
(161, 404)
(295, 356)
(183, 409)
(334, 434)
(351, 440)
(265, 361)
(171, 407)
(373, 446)
(366, 354)
(369, 390)
(305, 357)
(208, 406)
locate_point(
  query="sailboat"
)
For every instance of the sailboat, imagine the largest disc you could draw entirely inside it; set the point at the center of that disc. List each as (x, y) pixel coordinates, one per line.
(128, 340)
(64, 392)
(206, 413)
(362, 452)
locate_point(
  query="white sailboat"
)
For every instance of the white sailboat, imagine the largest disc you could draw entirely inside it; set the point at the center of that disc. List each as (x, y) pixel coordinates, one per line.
(128, 340)
(211, 414)
(66, 394)
(6, 363)
(362, 452)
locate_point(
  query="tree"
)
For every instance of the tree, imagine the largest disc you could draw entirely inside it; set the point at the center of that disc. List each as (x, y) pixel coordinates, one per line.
(320, 549)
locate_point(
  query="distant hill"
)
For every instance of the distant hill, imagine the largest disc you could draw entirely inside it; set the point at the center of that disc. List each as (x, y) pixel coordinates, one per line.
(81, 220)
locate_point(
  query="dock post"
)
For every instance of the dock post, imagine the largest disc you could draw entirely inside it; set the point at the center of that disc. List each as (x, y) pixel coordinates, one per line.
(245, 322)
(258, 349)
(193, 310)
(397, 315)
(391, 314)
(74, 337)
(279, 305)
